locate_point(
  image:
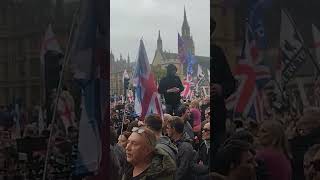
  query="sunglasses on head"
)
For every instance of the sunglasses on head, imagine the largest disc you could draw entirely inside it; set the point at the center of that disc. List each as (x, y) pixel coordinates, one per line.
(316, 164)
(137, 130)
(140, 131)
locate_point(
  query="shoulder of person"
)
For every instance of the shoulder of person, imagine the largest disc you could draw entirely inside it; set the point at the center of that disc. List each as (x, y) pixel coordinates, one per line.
(161, 165)
(186, 145)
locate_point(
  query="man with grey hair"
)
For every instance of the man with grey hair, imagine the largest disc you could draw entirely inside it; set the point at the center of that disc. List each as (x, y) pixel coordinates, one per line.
(145, 159)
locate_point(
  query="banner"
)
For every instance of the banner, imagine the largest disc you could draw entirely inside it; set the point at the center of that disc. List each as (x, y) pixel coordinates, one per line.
(292, 49)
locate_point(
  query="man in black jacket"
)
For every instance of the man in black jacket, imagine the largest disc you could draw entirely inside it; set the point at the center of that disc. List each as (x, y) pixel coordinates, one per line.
(222, 86)
(186, 154)
(171, 87)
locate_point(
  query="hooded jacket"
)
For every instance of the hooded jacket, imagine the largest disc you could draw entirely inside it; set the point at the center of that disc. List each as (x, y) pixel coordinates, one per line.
(162, 167)
(165, 144)
(185, 159)
(169, 82)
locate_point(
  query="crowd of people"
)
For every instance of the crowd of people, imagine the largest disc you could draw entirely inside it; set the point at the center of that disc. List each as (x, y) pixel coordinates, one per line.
(167, 147)
(23, 145)
(178, 146)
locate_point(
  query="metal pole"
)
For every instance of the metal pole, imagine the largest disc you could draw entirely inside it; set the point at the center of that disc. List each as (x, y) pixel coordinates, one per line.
(66, 58)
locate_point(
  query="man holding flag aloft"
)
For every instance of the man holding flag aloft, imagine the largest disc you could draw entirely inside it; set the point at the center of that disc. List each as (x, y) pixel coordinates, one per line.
(171, 87)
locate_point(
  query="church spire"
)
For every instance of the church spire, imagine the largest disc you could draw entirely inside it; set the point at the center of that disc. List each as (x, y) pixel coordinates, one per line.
(159, 42)
(185, 14)
(185, 25)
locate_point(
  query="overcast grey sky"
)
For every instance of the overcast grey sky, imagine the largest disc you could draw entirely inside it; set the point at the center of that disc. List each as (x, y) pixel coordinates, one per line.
(132, 19)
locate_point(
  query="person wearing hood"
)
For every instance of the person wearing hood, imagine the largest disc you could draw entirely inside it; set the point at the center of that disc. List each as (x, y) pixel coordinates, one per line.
(170, 87)
(154, 123)
(146, 161)
(186, 153)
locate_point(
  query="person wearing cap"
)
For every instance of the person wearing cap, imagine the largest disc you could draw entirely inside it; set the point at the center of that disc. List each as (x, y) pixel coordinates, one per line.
(154, 123)
(170, 87)
(145, 159)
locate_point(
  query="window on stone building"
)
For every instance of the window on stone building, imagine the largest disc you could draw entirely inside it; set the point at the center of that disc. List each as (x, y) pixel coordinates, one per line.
(3, 16)
(3, 47)
(35, 68)
(4, 96)
(3, 71)
(35, 94)
(21, 69)
(20, 93)
(20, 46)
(34, 43)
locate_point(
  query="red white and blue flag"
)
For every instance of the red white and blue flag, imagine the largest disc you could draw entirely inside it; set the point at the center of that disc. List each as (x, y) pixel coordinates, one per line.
(147, 99)
(252, 76)
(89, 66)
(187, 88)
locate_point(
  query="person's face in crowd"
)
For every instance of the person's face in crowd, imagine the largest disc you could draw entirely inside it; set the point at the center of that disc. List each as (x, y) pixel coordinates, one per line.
(137, 148)
(314, 171)
(264, 136)
(164, 128)
(206, 131)
(187, 114)
(170, 131)
(122, 141)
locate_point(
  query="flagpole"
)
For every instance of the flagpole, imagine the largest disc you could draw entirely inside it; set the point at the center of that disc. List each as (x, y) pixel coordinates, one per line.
(65, 60)
(198, 84)
(307, 49)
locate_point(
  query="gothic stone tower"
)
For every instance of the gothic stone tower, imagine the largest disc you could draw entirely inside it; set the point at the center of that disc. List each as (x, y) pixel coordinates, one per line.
(186, 36)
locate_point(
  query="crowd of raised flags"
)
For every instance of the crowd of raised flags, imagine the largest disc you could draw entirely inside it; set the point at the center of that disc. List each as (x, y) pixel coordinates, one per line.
(253, 72)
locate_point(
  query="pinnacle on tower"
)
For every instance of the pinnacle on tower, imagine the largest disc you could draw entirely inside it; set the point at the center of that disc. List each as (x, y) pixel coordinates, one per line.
(159, 37)
(159, 42)
(185, 26)
(185, 14)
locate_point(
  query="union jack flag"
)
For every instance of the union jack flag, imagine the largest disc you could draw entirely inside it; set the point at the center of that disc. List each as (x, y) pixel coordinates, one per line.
(187, 89)
(252, 76)
(90, 69)
(147, 99)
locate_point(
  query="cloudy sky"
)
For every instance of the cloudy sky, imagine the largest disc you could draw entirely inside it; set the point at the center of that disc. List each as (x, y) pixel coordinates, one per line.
(134, 19)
